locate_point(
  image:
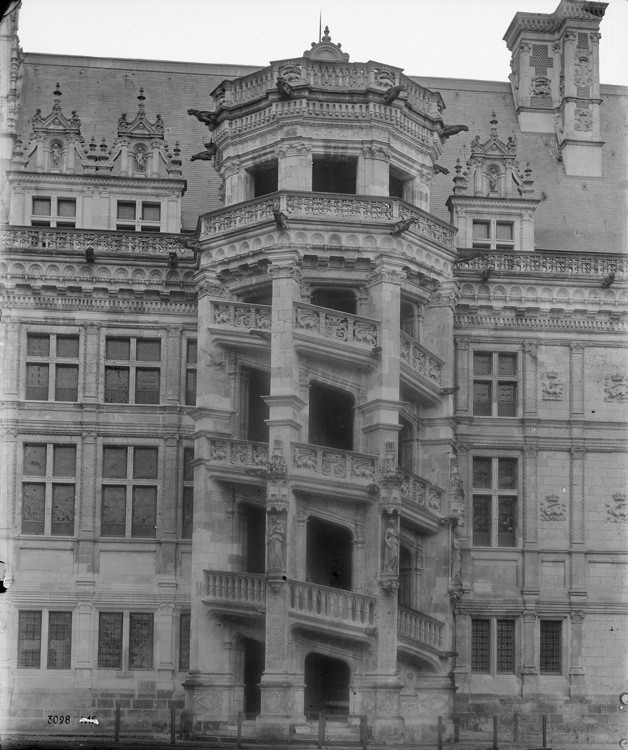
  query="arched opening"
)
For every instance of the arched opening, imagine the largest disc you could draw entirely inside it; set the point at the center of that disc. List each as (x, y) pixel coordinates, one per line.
(328, 553)
(406, 577)
(253, 539)
(331, 417)
(408, 319)
(255, 412)
(326, 686)
(405, 445)
(254, 656)
(342, 300)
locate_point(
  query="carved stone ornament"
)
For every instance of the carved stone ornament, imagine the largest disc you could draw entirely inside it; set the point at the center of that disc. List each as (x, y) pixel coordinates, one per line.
(389, 583)
(553, 508)
(616, 388)
(540, 86)
(617, 511)
(584, 119)
(551, 387)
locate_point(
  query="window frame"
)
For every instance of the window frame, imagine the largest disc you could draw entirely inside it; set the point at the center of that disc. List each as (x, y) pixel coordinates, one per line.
(125, 641)
(562, 643)
(496, 493)
(494, 622)
(189, 369)
(181, 666)
(139, 223)
(44, 639)
(187, 488)
(132, 364)
(495, 380)
(49, 480)
(129, 483)
(492, 242)
(52, 361)
(54, 219)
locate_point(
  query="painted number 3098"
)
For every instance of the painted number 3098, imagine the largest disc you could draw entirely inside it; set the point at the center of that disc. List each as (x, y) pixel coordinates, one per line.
(58, 720)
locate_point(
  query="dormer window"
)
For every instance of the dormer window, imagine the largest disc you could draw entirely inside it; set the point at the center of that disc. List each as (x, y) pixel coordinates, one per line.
(53, 212)
(138, 216)
(493, 235)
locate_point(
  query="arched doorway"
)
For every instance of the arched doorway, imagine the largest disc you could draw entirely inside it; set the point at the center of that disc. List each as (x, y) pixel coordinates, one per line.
(328, 553)
(254, 655)
(406, 577)
(326, 686)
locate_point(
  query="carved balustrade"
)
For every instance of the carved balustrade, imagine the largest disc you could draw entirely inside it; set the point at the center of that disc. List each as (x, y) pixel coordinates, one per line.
(102, 242)
(419, 627)
(420, 359)
(572, 264)
(240, 588)
(326, 207)
(419, 491)
(338, 326)
(239, 453)
(329, 462)
(331, 604)
(241, 315)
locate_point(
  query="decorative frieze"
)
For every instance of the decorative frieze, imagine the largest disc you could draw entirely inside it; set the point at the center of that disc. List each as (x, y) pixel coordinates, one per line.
(544, 264)
(333, 463)
(240, 453)
(553, 508)
(240, 315)
(338, 326)
(420, 359)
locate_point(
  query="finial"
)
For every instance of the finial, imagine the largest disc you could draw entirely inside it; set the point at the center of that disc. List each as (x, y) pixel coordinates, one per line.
(57, 91)
(494, 119)
(326, 37)
(141, 97)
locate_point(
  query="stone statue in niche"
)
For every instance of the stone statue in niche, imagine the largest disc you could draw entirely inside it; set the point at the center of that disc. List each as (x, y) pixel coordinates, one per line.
(493, 177)
(456, 557)
(55, 155)
(276, 538)
(551, 387)
(140, 160)
(391, 548)
(553, 508)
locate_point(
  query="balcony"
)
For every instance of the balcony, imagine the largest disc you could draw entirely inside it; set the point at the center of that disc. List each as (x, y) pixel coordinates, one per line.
(231, 323)
(235, 592)
(421, 368)
(231, 459)
(419, 629)
(318, 330)
(332, 470)
(366, 213)
(310, 602)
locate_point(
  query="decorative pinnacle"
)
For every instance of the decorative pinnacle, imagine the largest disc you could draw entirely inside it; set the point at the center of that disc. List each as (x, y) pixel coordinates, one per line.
(141, 97)
(326, 36)
(57, 91)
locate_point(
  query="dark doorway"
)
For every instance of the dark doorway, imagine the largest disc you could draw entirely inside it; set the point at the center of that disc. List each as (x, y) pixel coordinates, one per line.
(406, 577)
(342, 300)
(405, 445)
(254, 542)
(328, 554)
(331, 417)
(265, 179)
(258, 385)
(254, 655)
(334, 175)
(326, 686)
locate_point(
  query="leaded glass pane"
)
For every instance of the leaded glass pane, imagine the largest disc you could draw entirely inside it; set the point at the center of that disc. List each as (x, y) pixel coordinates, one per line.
(34, 460)
(188, 512)
(140, 641)
(114, 462)
(482, 399)
(188, 469)
(110, 640)
(126, 211)
(505, 646)
(148, 350)
(113, 511)
(62, 510)
(59, 640)
(507, 399)
(41, 206)
(550, 646)
(144, 513)
(38, 345)
(33, 506)
(507, 365)
(66, 207)
(506, 521)
(481, 520)
(503, 231)
(507, 474)
(482, 472)
(64, 460)
(481, 646)
(191, 351)
(68, 346)
(146, 386)
(184, 641)
(481, 230)
(37, 382)
(116, 385)
(118, 349)
(29, 640)
(145, 463)
(482, 363)
(190, 388)
(151, 212)
(66, 383)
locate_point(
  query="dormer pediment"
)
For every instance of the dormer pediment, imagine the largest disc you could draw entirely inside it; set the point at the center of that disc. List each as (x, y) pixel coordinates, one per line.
(140, 126)
(56, 121)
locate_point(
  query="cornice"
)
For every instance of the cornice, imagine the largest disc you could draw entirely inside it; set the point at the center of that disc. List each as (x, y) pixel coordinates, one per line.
(102, 304)
(41, 178)
(541, 324)
(493, 204)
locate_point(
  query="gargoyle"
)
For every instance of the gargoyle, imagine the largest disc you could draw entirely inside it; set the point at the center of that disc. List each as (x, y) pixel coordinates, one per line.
(402, 226)
(209, 118)
(284, 88)
(440, 170)
(393, 93)
(90, 256)
(203, 155)
(281, 220)
(173, 260)
(449, 130)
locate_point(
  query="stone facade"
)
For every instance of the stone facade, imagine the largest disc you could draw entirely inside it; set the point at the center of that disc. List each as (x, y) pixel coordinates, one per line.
(281, 437)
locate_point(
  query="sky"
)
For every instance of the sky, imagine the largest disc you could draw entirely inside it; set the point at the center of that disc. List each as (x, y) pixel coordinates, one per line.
(442, 38)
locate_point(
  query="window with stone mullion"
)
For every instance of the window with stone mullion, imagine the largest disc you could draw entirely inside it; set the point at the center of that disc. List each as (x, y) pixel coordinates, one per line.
(494, 501)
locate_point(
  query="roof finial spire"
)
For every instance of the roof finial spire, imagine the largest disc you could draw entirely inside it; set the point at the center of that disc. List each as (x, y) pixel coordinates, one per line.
(320, 25)
(326, 38)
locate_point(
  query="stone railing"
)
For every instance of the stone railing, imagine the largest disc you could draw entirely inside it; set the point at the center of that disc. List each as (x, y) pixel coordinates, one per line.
(331, 604)
(419, 627)
(419, 491)
(538, 262)
(420, 359)
(327, 207)
(335, 325)
(240, 315)
(102, 242)
(337, 464)
(239, 452)
(240, 588)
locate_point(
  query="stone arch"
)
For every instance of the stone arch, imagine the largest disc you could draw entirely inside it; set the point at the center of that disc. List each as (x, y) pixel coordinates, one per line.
(369, 241)
(499, 291)
(139, 275)
(156, 275)
(121, 274)
(35, 269)
(103, 273)
(335, 239)
(317, 239)
(52, 270)
(69, 270)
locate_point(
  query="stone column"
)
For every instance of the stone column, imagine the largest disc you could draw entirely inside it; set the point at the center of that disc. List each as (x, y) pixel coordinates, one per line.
(91, 363)
(87, 504)
(578, 583)
(530, 525)
(576, 670)
(373, 171)
(529, 668)
(464, 376)
(86, 632)
(164, 621)
(295, 167)
(529, 378)
(167, 522)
